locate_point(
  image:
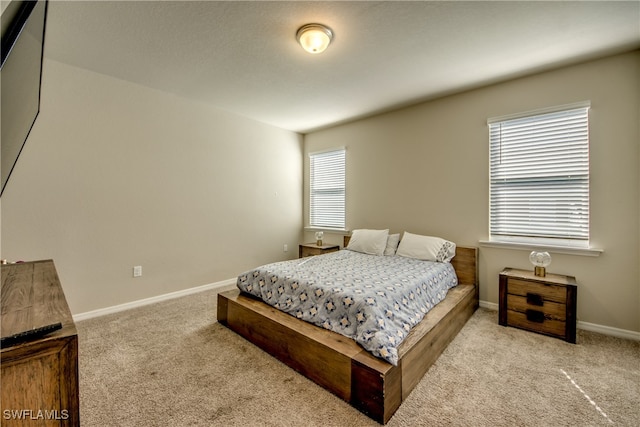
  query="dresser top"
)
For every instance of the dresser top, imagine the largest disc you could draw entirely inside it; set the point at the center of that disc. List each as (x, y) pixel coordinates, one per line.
(32, 297)
(314, 245)
(559, 279)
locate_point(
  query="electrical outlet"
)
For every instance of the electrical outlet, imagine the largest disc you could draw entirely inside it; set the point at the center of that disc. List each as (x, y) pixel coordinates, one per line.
(137, 271)
(285, 248)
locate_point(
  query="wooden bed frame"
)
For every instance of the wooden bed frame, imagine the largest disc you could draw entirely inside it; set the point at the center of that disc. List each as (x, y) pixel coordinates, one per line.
(338, 363)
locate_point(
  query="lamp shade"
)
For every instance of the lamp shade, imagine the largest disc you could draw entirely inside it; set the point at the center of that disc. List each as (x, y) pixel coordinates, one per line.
(314, 38)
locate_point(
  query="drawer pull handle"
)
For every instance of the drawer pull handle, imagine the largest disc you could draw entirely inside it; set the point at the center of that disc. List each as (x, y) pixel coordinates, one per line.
(535, 299)
(535, 316)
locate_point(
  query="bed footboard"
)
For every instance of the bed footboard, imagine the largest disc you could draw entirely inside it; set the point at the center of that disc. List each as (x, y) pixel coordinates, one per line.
(340, 365)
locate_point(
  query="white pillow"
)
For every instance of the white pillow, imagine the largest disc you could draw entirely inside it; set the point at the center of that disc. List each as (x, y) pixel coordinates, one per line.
(426, 248)
(392, 244)
(372, 242)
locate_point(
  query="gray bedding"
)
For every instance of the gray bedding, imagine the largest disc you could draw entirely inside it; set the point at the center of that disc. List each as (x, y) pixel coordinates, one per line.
(375, 300)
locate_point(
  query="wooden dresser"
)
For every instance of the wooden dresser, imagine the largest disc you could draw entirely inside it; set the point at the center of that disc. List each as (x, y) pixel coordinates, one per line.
(40, 376)
(546, 305)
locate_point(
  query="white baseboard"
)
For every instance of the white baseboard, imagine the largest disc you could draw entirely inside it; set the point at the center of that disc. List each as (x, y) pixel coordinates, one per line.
(489, 305)
(601, 329)
(608, 330)
(152, 300)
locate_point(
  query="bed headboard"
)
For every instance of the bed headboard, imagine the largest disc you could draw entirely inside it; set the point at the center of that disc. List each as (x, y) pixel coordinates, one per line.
(465, 263)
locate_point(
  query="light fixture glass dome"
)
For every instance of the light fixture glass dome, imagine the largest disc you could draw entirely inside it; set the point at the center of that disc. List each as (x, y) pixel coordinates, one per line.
(540, 261)
(314, 38)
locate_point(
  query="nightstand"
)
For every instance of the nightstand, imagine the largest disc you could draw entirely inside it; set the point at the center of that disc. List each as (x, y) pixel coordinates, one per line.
(545, 305)
(311, 249)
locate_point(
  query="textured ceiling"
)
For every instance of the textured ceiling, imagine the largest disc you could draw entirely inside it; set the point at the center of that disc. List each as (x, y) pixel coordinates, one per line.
(243, 57)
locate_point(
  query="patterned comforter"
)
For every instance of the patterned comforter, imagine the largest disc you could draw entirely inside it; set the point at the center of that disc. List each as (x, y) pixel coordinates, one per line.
(375, 300)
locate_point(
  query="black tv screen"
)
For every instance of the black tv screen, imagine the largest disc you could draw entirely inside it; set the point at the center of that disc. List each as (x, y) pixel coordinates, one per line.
(23, 24)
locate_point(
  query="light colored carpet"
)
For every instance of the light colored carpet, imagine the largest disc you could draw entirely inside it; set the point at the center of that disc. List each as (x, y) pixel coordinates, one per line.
(172, 364)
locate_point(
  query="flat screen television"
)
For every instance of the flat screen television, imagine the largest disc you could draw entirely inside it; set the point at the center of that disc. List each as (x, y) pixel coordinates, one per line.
(23, 25)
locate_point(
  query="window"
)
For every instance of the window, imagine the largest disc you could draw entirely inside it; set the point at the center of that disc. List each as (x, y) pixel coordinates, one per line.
(327, 189)
(539, 177)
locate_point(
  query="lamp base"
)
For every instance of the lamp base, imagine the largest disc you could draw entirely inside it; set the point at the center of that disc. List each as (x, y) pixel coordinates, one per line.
(319, 242)
(539, 271)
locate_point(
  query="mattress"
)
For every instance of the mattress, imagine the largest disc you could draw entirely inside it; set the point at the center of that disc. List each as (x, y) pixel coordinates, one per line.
(374, 300)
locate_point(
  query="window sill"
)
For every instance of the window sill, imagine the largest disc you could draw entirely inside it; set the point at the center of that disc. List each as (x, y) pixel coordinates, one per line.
(570, 250)
(328, 230)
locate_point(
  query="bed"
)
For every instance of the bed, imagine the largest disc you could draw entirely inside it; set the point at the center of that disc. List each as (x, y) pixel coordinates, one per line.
(374, 386)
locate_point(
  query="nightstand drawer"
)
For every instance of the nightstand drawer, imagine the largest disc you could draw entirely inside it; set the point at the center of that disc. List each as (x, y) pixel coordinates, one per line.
(552, 310)
(546, 292)
(532, 322)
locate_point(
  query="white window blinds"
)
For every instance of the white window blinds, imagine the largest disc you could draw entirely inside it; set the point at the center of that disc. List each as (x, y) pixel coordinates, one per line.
(539, 178)
(327, 189)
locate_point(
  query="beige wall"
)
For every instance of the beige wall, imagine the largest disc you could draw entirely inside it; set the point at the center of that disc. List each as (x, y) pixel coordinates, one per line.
(424, 169)
(115, 175)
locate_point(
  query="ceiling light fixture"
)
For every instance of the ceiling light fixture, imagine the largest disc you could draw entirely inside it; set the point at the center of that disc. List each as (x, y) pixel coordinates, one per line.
(314, 38)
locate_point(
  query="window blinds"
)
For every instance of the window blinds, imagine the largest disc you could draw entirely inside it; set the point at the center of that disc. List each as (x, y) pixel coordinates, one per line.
(539, 179)
(327, 189)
